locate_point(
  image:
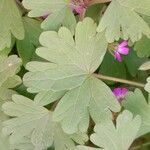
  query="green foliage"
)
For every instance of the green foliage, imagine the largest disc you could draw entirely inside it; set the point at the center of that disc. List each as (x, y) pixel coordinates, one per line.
(91, 97)
(58, 11)
(136, 103)
(71, 70)
(72, 62)
(121, 20)
(11, 23)
(115, 137)
(36, 121)
(63, 104)
(116, 69)
(142, 47)
(26, 47)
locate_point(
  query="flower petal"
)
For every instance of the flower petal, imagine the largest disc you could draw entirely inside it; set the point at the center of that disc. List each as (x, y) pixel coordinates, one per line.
(123, 50)
(123, 44)
(120, 93)
(118, 56)
(79, 9)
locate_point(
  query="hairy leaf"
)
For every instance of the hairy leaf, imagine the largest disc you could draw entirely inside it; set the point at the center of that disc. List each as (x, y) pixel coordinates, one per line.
(121, 20)
(8, 68)
(58, 13)
(72, 61)
(11, 23)
(136, 103)
(91, 97)
(34, 120)
(118, 137)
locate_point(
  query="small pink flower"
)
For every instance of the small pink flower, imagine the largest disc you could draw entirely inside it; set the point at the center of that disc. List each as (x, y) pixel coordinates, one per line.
(120, 93)
(77, 5)
(121, 49)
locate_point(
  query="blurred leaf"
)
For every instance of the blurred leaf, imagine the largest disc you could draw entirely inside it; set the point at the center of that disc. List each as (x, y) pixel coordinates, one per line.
(113, 68)
(133, 62)
(26, 47)
(94, 12)
(142, 47)
(11, 23)
(145, 66)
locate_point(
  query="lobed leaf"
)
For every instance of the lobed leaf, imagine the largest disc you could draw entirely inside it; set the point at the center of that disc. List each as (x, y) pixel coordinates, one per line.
(119, 137)
(122, 20)
(136, 103)
(11, 23)
(57, 11)
(71, 61)
(93, 98)
(36, 121)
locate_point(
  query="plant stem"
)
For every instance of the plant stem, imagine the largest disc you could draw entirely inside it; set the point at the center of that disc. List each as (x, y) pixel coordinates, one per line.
(92, 2)
(103, 77)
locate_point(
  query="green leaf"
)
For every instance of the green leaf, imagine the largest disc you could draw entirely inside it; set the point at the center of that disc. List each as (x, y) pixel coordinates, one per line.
(4, 142)
(145, 66)
(113, 68)
(36, 121)
(8, 68)
(147, 86)
(136, 103)
(72, 60)
(94, 12)
(142, 47)
(11, 23)
(58, 11)
(133, 62)
(121, 20)
(115, 137)
(91, 97)
(26, 47)
(47, 97)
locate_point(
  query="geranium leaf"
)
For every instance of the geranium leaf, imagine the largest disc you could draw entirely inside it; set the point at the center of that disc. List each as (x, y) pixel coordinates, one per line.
(91, 97)
(72, 60)
(137, 104)
(119, 137)
(121, 20)
(36, 121)
(11, 23)
(9, 67)
(58, 12)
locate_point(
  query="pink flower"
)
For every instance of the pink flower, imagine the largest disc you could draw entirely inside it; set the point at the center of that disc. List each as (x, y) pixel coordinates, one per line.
(120, 93)
(77, 5)
(121, 49)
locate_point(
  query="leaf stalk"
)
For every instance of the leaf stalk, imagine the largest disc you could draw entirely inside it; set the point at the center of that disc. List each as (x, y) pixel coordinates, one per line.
(133, 83)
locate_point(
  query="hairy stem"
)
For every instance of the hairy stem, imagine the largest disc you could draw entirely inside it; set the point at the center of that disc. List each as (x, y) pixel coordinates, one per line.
(92, 2)
(103, 77)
